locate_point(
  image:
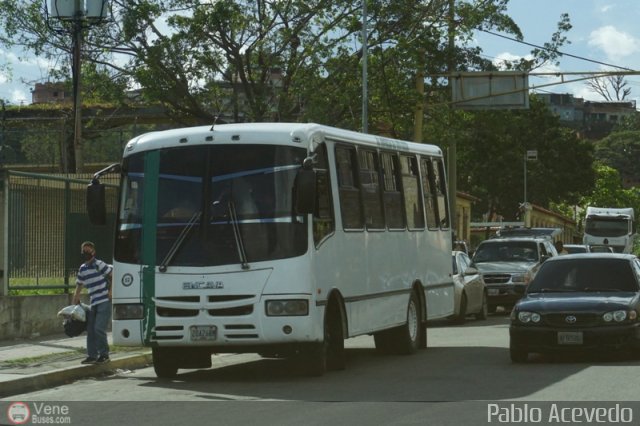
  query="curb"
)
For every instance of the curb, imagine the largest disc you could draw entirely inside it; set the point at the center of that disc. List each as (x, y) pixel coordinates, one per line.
(64, 375)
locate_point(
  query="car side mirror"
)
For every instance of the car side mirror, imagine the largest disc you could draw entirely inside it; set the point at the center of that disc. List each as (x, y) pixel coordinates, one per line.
(471, 271)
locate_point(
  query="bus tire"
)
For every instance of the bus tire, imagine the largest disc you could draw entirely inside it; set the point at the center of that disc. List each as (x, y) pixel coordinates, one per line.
(408, 335)
(164, 364)
(328, 354)
(336, 357)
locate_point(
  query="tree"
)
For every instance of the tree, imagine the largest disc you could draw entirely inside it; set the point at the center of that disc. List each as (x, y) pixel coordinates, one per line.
(492, 154)
(620, 150)
(608, 191)
(612, 88)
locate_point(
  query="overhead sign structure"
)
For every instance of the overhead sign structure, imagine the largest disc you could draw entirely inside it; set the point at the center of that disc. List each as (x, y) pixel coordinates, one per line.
(490, 90)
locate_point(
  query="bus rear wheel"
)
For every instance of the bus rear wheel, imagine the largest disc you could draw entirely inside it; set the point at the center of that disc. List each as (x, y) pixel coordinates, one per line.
(403, 340)
(165, 365)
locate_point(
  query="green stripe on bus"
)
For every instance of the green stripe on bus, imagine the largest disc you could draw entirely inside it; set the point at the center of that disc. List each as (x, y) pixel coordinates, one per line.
(149, 230)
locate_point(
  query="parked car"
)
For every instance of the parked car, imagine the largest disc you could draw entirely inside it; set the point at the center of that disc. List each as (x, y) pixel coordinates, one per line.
(576, 248)
(579, 301)
(508, 265)
(470, 292)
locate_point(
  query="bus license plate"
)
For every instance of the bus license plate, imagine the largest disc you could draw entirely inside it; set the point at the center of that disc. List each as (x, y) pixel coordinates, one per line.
(203, 332)
(569, 337)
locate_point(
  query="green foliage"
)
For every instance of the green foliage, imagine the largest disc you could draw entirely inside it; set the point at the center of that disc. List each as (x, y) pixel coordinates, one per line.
(608, 191)
(621, 150)
(491, 152)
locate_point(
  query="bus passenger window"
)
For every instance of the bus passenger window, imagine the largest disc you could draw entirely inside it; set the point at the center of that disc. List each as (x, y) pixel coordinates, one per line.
(441, 191)
(428, 192)
(348, 188)
(370, 183)
(392, 196)
(411, 190)
(323, 222)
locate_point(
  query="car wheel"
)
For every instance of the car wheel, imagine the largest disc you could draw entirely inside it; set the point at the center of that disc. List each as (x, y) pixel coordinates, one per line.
(492, 309)
(518, 354)
(484, 309)
(462, 312)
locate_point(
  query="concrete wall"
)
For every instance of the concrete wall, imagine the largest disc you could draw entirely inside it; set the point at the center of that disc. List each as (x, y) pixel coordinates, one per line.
(31, 316)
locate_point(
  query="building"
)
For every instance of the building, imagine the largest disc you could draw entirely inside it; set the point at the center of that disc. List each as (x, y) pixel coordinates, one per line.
(46, 93)
(592, 119)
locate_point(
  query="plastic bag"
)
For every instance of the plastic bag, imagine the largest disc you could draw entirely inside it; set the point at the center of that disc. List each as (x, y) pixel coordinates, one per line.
(73, 327)
(75, 312)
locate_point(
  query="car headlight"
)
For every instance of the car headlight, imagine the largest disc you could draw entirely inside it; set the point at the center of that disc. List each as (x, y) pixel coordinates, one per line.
(128, 311)
(290, 307)
(518, 278)
(619, 316)
(527, 317)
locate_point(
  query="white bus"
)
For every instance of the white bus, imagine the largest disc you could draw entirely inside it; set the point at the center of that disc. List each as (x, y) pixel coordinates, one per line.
(610, 227)
(277, 239)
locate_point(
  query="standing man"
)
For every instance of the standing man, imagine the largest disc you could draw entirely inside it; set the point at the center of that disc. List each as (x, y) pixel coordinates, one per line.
(95, 276)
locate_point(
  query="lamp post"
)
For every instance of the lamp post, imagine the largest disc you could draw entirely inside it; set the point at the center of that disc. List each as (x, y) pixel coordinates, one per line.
(74, 16)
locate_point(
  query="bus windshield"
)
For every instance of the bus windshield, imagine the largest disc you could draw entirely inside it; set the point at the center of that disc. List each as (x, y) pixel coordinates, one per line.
(602, 227)
(210, 200)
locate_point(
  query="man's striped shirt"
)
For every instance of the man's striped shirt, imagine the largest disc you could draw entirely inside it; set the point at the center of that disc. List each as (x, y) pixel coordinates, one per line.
(93, 277)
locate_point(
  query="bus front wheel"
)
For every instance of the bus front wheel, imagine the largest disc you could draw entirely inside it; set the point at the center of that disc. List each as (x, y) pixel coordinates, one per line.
(164, 364)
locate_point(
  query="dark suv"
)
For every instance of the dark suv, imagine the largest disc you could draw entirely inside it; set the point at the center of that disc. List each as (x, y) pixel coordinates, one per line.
(508, 264)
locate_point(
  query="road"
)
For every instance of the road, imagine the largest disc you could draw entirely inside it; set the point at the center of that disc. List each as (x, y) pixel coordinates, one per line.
(465, 368)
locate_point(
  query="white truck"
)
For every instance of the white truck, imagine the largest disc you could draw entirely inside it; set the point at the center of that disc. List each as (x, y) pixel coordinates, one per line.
(612, 227)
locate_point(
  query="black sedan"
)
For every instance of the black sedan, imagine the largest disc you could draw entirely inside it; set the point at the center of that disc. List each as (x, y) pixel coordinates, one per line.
(579, 301)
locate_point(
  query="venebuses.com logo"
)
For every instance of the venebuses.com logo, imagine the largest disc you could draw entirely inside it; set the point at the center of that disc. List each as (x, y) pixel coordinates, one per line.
(18, 413)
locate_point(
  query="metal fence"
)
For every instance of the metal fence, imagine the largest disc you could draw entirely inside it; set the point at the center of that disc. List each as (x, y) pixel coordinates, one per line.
(46, 224)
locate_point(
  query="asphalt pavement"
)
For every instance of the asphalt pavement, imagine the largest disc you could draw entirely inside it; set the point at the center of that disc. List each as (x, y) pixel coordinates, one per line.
(27, 365)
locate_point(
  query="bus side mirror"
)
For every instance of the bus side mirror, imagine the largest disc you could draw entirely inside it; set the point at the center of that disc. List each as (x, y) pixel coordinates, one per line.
(305, 191)
(96, 205)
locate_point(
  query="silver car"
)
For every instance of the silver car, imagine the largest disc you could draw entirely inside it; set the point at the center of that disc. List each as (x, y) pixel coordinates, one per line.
(470, 292)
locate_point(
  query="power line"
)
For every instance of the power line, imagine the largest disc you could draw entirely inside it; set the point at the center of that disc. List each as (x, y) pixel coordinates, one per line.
(556, 51)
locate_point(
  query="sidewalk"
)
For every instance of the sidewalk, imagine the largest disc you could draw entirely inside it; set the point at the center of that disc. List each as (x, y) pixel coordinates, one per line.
(31, 364)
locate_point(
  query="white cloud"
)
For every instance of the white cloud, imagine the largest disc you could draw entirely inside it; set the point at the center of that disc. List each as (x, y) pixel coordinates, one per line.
(19, 97)
(615, 44)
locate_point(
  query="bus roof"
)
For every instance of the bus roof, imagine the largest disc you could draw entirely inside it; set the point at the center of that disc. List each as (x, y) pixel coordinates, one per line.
(295, 134)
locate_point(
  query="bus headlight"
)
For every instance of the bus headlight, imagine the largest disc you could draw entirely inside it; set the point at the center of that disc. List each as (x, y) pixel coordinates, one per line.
(128, 311)
(284, 308)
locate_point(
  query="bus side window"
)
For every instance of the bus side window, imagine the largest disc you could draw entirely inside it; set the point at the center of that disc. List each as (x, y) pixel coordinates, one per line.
(323, 221)
(370, 184)
(428, 192)
(392, 194)
(441, 191)
(349, 190)
(411, 189)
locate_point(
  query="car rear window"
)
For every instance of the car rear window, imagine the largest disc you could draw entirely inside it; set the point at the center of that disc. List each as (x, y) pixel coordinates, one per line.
(585, 274)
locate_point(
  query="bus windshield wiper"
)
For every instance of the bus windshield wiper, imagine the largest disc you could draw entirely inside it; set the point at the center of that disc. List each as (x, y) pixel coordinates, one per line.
(233, 216)
(179, 241)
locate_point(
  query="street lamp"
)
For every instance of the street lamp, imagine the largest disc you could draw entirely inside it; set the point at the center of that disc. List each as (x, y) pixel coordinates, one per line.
(74, 16)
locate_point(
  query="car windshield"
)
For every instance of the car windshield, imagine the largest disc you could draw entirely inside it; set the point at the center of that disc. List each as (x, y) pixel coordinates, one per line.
(585, 274)
(506, 251)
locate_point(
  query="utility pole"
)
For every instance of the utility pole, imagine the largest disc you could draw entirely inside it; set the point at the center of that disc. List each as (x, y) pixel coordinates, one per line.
(77, 163)
(74, 16)
(453, 187)
(365, 92)
(418, 121)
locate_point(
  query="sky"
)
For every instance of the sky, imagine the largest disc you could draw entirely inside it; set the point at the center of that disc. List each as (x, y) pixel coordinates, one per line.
(605, 31)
